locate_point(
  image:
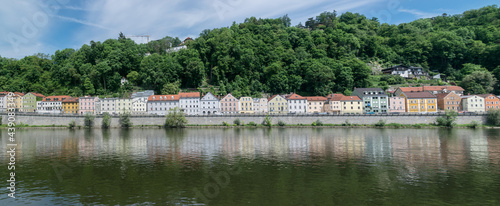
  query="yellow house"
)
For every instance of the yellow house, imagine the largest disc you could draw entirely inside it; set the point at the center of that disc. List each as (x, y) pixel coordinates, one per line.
(277, 105)
(70, 105)
(351, 105)
(18, 100)
(315, 104)
(332, 104)
(246, 105)
(422, 102)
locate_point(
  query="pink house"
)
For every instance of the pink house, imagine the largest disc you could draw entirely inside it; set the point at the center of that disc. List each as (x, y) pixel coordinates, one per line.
(229, 104)
(87, 104)
(397, 104)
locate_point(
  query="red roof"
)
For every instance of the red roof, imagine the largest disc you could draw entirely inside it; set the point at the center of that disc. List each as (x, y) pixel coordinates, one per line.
(419, 95)
(272, 97)
(38, 94)
(294, 96)
(411, 89)
(350, 98)
(441, 88)
(486, 95)
(70, 100)
(335, 97)
(19, 93)
(165, 97)
(189, 94)
(316, 98)
(55, 98)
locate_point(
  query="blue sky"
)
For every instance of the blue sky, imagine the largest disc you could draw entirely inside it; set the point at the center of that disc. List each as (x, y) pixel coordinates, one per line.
(29, 26)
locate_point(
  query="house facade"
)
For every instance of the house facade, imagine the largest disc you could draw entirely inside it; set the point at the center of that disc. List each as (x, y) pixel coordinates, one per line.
(351, 105)
(420, 102)
(473, 103)
(51, 104)
(139, 107)
(161, 104)
(70, 105)
(490, 101)
(277, 105)
(444, 89)
(332, 104)
(246, 105)
(29, 102)
(189, 102)
(374, 99)
(123, 106)
(108, 105)
(260, 105)
(407, 72)
(209, 104)
(397, 104)
(87, 104)
(315, 104)
(448, 101)
(296, 104)
(229, 104)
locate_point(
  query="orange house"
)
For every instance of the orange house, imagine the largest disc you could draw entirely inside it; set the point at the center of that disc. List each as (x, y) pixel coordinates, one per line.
(491, 101)
(448, 101)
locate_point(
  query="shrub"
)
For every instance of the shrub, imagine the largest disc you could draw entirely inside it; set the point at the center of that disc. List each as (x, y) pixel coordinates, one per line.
(175, 118)
(237, 122)
(106, 120)
(318, 123)
(88, 122)
(380, 123)
(346, 123)
(1, 118)
(225, 124)
(493, 117)
(281, 123)
(252, 124)
(72, 124)
(474, 124)
(125, 120)
(267, 121)
(448, 119)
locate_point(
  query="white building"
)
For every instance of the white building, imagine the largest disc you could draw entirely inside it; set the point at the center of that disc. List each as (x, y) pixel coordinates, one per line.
(108, 105)
(161, 104)
(473, 103)
(123, 106)
(189, 102)
(139, 107)
(50, 105)
(296, 104)
(260, 105)
(209, 104)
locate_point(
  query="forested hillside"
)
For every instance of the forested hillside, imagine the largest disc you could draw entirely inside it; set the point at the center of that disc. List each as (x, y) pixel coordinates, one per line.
(328, 53)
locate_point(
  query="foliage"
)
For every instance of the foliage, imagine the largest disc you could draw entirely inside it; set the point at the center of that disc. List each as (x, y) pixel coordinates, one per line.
(88, 121)
(267, 121)
(346, 123)
(317, 123)
(281, 123)
(224, 123)
(448, 119)
(474, 124)
(380, 123)
(106, 120)
(124, 120)
(72, 124)
(493, 117)
(175, 118)
(171, 88)
(252, 124)
(237, 122)
(479, 82)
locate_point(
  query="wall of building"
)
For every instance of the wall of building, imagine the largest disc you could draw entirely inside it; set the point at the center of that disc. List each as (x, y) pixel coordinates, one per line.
(218, 119)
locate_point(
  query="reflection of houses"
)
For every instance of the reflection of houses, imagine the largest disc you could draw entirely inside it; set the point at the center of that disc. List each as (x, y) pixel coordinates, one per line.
(408, 72)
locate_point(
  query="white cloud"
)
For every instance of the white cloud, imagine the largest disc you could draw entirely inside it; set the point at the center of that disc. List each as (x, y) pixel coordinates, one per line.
(419, 14)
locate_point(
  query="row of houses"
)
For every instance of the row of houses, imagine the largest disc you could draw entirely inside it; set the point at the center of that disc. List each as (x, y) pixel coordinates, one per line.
(425, 99)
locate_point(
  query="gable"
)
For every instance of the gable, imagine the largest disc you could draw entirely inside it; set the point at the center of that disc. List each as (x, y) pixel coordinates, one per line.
(209, 97)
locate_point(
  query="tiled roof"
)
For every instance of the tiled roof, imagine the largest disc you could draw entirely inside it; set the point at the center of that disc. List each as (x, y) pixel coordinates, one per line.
(440, 88)
(294, 96)
(350, 98)
(38, 94)
(272, 97)
(189, 94)
(165, 97)
(485, 95)
(316, 98)
(417, 95)
(52, 98)
(70, 100)
(411, 89)
(335, 97)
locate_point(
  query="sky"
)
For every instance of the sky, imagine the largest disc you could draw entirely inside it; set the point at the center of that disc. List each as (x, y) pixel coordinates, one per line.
(29, 27)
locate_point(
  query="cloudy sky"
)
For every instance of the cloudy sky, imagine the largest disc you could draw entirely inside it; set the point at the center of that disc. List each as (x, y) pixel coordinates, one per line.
(31, 26)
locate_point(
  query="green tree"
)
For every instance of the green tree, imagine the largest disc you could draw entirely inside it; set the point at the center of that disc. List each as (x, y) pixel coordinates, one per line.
(175, 118)
(89, 87)
(171, 88)
(106, 120)
(479, 82)
(88, 121)
(448, 119)
(124, 120)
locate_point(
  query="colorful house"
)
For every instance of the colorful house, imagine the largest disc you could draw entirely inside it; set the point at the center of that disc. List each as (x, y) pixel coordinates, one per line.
(161, 104)
(70, 105)
(374, 99)
(422, 102)
(473, 103)
(351, 105)
(260, 105)
(332, 104)
(123, 106)
(448, 101)
(315, 104)
(246, 105)
(139, 107)
(209, 104)
(189, 102)
(397, 104)
(296, 104)
(29, 101)
(51, 104)
(87, 104)
(433, 89)
(229, 104)
(277, 105)
(491, 101)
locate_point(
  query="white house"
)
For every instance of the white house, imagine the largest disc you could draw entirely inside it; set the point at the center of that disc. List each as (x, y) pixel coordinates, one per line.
(189, 102)
(209, 104)
(161, 104)
(260, 105)
(108, 105)
(139, 107)
(50, 105)
(123, 106)
(473, 103)
(296, 104)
